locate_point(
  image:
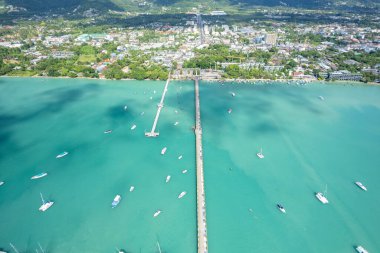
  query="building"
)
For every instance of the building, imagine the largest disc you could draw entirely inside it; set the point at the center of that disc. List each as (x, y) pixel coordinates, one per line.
(218, 13)
(271, 39)
(343, 75)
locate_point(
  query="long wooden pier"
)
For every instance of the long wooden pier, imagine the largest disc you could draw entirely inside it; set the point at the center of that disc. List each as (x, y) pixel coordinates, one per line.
(160, 105)
(201, 198)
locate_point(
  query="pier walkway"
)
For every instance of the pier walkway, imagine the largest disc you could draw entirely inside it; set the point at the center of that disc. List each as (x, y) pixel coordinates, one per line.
(160, 105)
(201, 198)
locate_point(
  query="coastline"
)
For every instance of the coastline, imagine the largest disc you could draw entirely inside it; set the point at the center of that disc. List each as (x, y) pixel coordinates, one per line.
(243, 81)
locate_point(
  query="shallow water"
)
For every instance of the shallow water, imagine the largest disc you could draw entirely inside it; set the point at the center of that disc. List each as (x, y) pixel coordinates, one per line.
(308, 144)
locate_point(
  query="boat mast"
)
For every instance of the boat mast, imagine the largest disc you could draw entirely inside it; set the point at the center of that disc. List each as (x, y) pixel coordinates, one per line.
(14, 248)
(159, 248)
(42, 198)
(41, 248)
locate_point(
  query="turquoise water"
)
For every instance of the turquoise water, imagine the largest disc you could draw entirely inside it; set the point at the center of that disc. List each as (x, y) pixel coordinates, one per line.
(308, 144)
(42, 117)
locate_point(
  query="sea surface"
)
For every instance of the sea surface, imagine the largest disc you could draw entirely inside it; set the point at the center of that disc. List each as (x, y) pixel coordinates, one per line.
(309, 145)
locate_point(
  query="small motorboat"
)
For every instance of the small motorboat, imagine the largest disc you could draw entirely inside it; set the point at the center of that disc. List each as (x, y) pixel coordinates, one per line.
(156, 213)
(163, 151)
(260, 154)
(40, 175)
(142, 113)
(116, 201)
(180, 157)
(321, 98)
(229, 111)
(168, 179)
(361, 249)
(1, 183)
(321, 197)
(361, 186)
(133, 127)
(108, 131)
(176, 123)
(233, 94)
(132, 188)
(63, 154)
(181, 195)
(184, 171)
(281, 208)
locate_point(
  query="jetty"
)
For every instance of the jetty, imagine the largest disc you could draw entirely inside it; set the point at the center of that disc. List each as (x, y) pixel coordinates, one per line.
(160, 105)
(201, 198)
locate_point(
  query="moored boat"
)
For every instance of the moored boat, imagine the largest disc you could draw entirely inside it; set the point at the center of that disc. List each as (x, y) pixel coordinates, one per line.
(168, 179)
(260, 154)
(157, 213)
(63, 154)
(229, 111)
(45, 205)
(181, 195)
(184, 171)
(108, 131)
(321, 197)
(163, 151)
(132, 188)
(116, 201)
(133, 127)
(233, 94)
(281, 208)
(176, 123)
(361, 249)
(1, 183)
(361, 186)
(180, 157)
(39, 175)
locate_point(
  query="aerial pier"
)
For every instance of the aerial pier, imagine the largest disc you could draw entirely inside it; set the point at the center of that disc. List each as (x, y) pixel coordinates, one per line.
(201, 198)
(160, 105)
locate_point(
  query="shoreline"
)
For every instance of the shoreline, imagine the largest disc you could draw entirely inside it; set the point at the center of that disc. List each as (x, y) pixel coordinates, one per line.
(239, 81)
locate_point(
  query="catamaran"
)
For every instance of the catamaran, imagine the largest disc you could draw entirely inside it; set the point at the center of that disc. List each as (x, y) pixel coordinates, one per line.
(359, 184)
(281, 208)
(116, 201)
(132, 188)
(133, 127)
(181, 195)
(260, 154)
(361, 249)
(45, 205)
(65, 153)
(167, 179)
(157, 213)
(321, 196)
(108, 131)
(163, 151)
(43, 174)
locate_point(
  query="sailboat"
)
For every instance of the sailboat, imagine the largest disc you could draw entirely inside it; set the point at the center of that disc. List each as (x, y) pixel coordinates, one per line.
(45, 205)
(321, 196)
(260, 154)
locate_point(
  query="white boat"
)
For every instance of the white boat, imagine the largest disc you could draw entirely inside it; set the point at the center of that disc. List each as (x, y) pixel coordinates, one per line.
(184, 171)
(181, 195)
(233, 94)
(321, 197)
(163, 151)
(1, 183)
(176, 123)
(321, 98)
(180, 157)
(65, 153)
(229, 111)
(260, 154)
(361, 186)
(281, 208)
(132, 188)
(361, 249)
(133, 127)
(45, 205)
(108, 131)
(142, 113)
(125, 107)
(175, 111)
(116, 201)
(43, 174)
(168, 179)
(157, 213)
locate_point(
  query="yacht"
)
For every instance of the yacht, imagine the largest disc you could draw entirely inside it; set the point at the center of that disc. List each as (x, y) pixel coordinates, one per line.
(65, 153)
(133, 127)
(157, 213)
(132, 188)
(229, 111)
(360, 249)
(281, 208)
(260, 154)
(168, 179)
(184, 171)
(108, 131)
(181, 195)
(45, 205)
(180, 157)
(163, 151)
(116, 201)
(361, 186)
(43, 174)
(321, 197)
